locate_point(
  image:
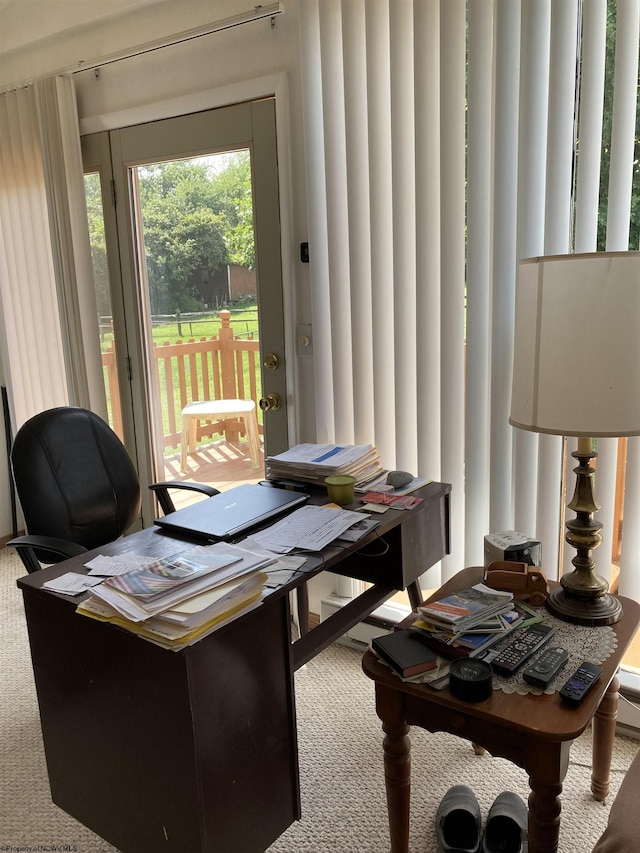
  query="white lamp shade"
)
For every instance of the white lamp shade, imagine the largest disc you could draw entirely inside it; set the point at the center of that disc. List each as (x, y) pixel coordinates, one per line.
(576, 364)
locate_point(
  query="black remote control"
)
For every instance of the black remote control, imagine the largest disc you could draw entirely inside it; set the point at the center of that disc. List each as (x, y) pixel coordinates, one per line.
(582, 680)
(542, 671)
(523, 644)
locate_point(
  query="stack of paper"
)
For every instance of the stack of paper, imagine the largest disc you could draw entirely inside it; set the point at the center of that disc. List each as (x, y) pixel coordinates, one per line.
(309, 528)
(174, 602)
(191, 619)
(312, 463)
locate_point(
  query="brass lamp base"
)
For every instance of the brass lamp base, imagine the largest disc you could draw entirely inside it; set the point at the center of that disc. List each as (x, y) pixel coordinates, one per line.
(584, 598)
(603, 610)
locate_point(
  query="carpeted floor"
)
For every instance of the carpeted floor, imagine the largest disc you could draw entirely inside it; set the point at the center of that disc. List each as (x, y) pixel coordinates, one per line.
(340, 743)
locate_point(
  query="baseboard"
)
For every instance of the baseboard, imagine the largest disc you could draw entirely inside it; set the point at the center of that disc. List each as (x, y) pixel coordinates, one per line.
(360, 636)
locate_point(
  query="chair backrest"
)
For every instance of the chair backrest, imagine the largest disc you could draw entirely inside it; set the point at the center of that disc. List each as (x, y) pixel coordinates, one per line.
(74, 478)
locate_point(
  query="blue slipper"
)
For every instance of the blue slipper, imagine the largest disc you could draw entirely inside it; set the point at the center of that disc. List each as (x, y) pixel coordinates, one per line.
(506, 827)
(459, 822)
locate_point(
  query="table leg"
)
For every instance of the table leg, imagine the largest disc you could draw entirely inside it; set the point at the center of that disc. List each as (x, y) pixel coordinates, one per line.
(397, 775)
(547, 766)
(251, 429)
(604, 730)
(184, 441)
(302, 602)
(415, 594)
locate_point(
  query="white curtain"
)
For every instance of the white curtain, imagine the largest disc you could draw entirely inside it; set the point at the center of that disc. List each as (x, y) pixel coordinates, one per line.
(442, 146)
(50, 342)
(32, 351)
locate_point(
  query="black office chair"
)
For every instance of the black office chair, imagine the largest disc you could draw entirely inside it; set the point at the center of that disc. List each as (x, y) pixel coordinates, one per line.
(77, 486)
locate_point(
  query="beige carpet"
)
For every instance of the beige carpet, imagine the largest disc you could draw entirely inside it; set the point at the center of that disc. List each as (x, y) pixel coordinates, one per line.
(340, 741)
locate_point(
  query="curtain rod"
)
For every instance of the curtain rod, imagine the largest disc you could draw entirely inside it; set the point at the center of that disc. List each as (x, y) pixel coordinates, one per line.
(256, 14)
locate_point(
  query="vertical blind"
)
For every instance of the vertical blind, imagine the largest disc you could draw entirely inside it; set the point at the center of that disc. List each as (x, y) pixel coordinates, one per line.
(48, 316)
(444, 142)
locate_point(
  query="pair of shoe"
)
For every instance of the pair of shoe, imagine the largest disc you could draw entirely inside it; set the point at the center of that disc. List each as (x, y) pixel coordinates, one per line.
(459, 823)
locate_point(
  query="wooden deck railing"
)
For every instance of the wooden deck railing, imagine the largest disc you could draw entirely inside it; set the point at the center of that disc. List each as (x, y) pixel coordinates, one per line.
(222, 367)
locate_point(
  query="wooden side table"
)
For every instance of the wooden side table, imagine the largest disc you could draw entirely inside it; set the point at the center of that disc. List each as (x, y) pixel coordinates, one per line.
(534, 732)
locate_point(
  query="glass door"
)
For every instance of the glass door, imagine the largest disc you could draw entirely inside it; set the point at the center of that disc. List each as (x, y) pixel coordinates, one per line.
(198, 242)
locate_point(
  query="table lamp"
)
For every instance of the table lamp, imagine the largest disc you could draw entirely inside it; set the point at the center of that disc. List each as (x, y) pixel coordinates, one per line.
(576, 372)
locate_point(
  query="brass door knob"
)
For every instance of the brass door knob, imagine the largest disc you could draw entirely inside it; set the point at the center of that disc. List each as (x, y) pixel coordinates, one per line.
(270, 402)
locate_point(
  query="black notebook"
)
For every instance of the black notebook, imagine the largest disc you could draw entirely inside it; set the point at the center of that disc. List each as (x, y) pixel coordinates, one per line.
(407, 655)
(231, 513)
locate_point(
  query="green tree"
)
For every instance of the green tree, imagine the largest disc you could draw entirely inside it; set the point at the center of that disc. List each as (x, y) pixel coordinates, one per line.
(183, 233)
(233, 194)
(98, 244)
(197, 217)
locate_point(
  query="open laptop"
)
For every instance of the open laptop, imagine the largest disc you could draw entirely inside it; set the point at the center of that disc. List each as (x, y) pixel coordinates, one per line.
(232, 513)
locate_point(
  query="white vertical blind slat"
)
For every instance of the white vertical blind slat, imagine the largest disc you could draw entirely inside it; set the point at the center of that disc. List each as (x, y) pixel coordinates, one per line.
(558, 196)
(533, 136)
(592, 67)
(337, 216)
(357, 154)
(452, 207)
(381, 201)
(505, 171)
(427, 228)
(479, 194)
(404, 232)
(591, 106)
(625, 99)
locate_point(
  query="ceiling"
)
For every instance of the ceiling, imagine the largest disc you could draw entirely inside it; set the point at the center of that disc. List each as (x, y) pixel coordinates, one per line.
(23, 22)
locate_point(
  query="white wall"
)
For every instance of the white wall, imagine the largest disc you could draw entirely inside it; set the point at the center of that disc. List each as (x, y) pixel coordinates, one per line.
(244, 62)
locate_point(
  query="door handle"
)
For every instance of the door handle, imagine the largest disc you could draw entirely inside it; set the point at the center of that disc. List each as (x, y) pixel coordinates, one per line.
(270, 402)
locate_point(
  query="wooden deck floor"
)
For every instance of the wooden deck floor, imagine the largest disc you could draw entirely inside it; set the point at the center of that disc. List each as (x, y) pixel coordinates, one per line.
(222, 465)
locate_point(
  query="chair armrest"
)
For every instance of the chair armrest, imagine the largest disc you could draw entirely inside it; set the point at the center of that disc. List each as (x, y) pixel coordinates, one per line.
(164, 498)
(29, 547)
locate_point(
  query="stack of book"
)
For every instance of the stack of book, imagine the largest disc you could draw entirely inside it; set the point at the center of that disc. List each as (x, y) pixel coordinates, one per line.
(313, 463)
(468, 623)
(410, 659)
(174, 602)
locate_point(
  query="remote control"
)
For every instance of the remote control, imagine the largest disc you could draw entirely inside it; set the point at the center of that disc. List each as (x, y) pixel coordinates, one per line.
(582, 680)
(542, 671)
(523, 644)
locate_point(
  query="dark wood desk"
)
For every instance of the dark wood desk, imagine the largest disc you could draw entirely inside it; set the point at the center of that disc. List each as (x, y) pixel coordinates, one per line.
(196, 751)
(534, 732)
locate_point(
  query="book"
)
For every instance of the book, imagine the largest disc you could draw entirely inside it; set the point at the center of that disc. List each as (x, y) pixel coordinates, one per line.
(462, 610)
(406, 654)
